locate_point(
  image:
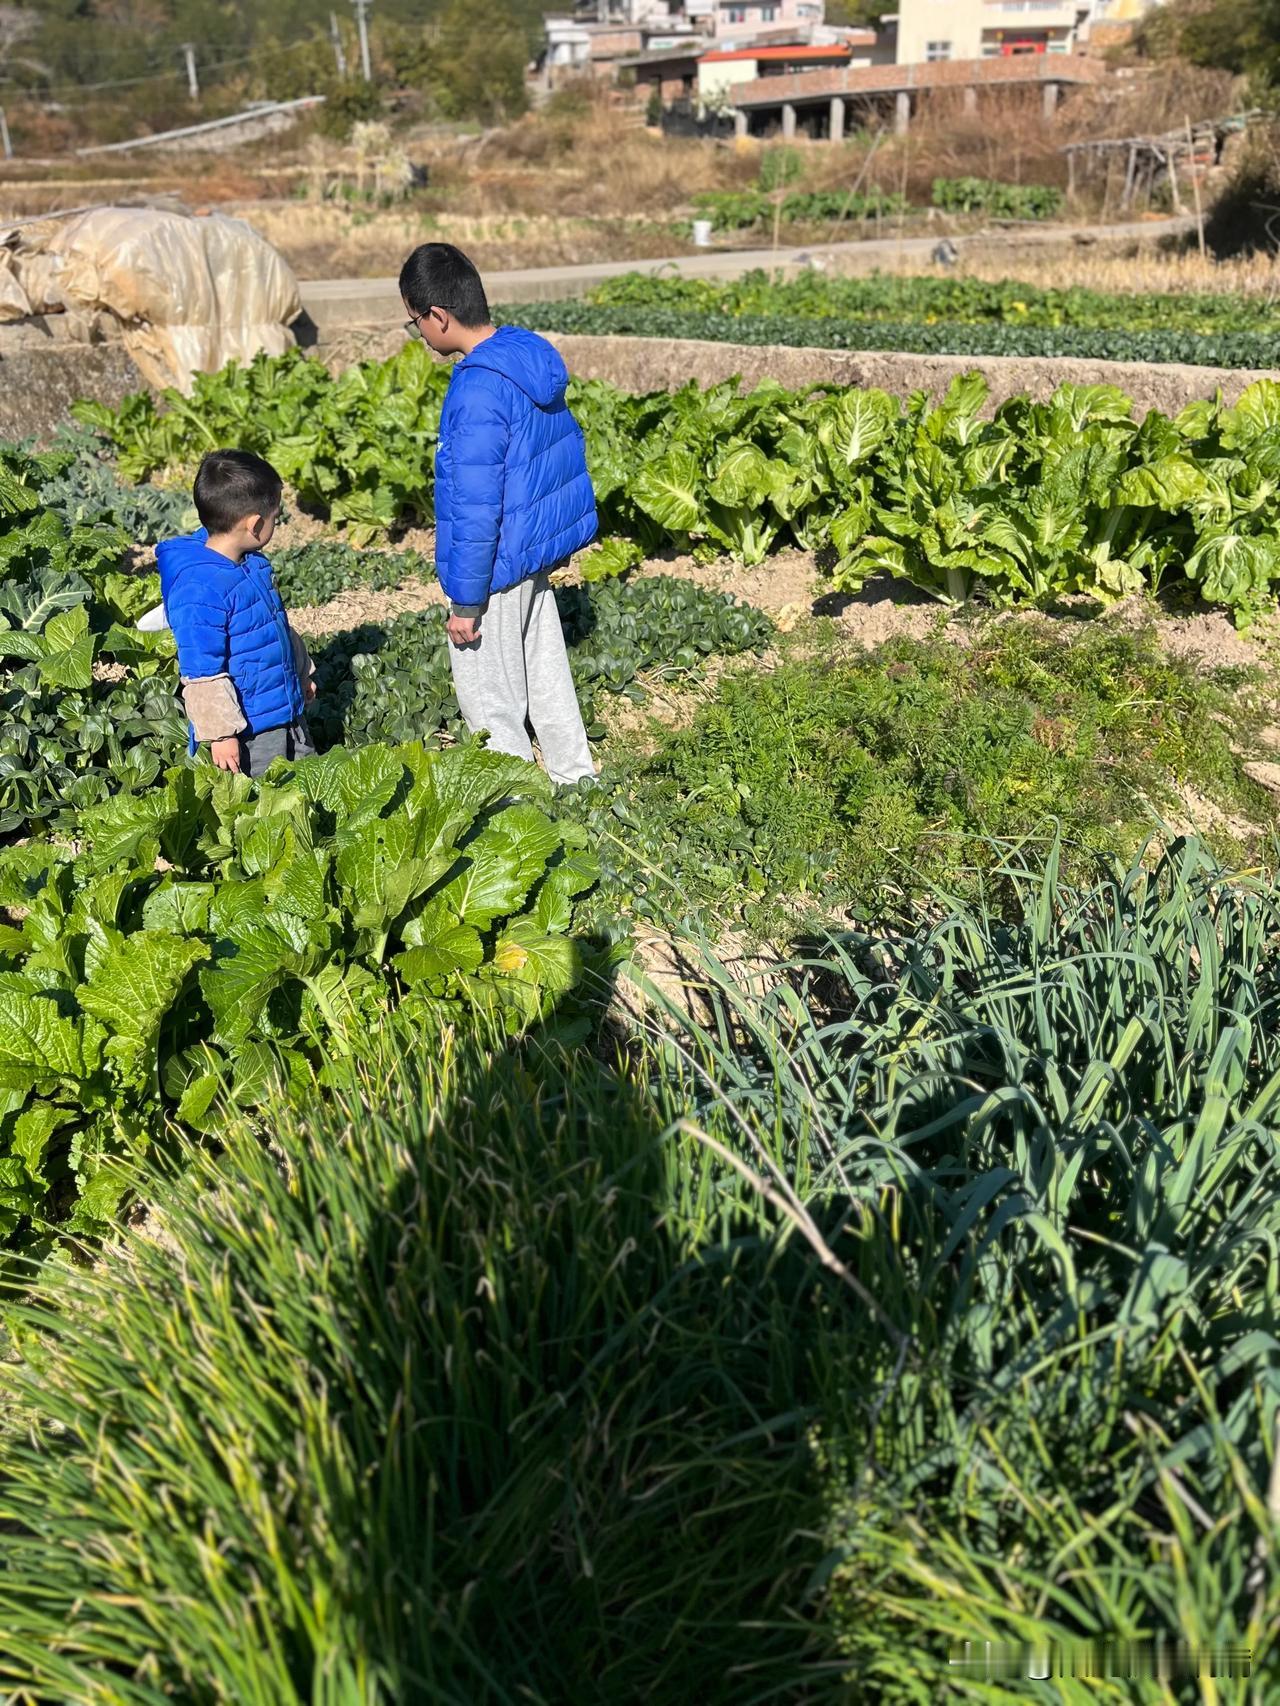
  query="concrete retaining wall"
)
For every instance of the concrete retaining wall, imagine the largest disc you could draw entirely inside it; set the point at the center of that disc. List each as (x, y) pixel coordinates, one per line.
(38, 386)
(650, 364)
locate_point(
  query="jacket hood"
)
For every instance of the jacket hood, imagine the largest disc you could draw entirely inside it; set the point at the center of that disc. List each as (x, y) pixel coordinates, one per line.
(174, 555)
(526, 360)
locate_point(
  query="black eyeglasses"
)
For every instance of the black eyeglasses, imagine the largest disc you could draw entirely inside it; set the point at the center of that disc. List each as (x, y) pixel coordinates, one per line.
(414, 326)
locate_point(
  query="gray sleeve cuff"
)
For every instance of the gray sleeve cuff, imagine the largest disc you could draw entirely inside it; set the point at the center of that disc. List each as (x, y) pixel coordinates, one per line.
(464, 609)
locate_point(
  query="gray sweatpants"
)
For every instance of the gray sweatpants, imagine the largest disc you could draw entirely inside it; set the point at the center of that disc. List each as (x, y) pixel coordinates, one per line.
(517, 673)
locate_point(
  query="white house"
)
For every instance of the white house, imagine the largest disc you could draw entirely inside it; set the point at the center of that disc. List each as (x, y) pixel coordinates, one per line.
(932, 30)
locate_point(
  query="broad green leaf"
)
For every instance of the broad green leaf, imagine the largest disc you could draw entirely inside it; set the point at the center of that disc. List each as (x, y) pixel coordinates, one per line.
(1233, 568)
(455, 948)
(182, 909)
(666, 488)
(251, 960)
(382, 869)
(452, 789)
(1169, 484)
(264, 842)
(16, 498)
(1257, 411)
(609, 558)
(343, 1006)
(570, 876)
(301, 886)
(525, 954)
(32, 1132)
(38, 1042)
(197, 1100)
(354, 786)
(856, 424)
(136, 983)
(502, 864)
(744, 475)
(100, 1196)
(67, 652)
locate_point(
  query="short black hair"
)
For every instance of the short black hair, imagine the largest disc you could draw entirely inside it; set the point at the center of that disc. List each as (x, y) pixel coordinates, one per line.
(231, 484)
(437, 275)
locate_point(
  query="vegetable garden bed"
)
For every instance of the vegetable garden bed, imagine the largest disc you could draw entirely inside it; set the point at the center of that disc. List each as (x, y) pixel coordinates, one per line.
(1219, 349)
(499, 1334)
(1042, 500)
(928, 316)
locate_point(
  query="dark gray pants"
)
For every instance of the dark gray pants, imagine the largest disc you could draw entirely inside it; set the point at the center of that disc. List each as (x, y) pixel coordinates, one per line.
(258, 751)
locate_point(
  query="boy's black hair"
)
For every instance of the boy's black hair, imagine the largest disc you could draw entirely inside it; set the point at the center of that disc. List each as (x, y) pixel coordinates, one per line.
(231, 484)
(437, 275)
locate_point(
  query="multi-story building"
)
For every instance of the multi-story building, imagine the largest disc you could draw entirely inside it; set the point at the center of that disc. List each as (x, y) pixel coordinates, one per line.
(933, 30)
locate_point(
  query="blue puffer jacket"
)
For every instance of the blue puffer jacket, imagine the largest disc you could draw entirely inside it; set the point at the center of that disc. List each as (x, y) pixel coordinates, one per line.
(512, 490)
(228, 619)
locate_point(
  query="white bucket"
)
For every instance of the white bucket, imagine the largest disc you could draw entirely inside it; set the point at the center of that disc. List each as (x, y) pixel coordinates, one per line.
(702, 233)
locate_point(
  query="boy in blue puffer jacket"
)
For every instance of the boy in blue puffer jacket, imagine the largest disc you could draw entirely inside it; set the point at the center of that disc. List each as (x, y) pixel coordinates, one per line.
(513, 501)
(245, 674)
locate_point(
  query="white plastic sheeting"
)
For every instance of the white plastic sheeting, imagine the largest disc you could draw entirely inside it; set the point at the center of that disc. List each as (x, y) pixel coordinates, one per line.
(188, 294)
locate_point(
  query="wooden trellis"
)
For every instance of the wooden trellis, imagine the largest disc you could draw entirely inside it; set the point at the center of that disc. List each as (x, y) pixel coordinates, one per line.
(1180, 155)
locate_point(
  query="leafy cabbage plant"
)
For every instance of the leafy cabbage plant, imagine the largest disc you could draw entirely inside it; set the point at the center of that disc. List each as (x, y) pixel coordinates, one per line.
(216, 936)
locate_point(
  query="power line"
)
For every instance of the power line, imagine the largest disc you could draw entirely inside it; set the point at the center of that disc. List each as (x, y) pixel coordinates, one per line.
(206, 70)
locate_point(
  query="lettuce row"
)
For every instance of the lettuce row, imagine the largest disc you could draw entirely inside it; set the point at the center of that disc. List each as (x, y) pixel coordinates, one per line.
(381, 682)
(215, 938)
(1067, 496)
(320, 571)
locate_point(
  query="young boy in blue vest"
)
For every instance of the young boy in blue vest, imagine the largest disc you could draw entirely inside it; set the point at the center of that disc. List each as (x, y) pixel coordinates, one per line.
(513, 501)
(246, 676)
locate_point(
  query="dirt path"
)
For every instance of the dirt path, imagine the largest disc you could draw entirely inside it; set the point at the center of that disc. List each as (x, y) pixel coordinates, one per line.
(337, 304)
(790, 588)
(352, 609)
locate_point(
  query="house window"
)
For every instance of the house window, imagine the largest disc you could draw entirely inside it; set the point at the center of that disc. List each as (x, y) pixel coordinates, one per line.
(768, 14)
(936, 50)
(737, 14)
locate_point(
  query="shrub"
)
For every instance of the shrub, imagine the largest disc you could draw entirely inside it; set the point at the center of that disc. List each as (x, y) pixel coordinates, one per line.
(347, 104)
(779, 166)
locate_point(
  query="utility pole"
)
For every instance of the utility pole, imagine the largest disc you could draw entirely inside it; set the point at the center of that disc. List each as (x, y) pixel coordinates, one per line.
(4, 136)
(193, 82)
(339, 52)
(362, 24)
